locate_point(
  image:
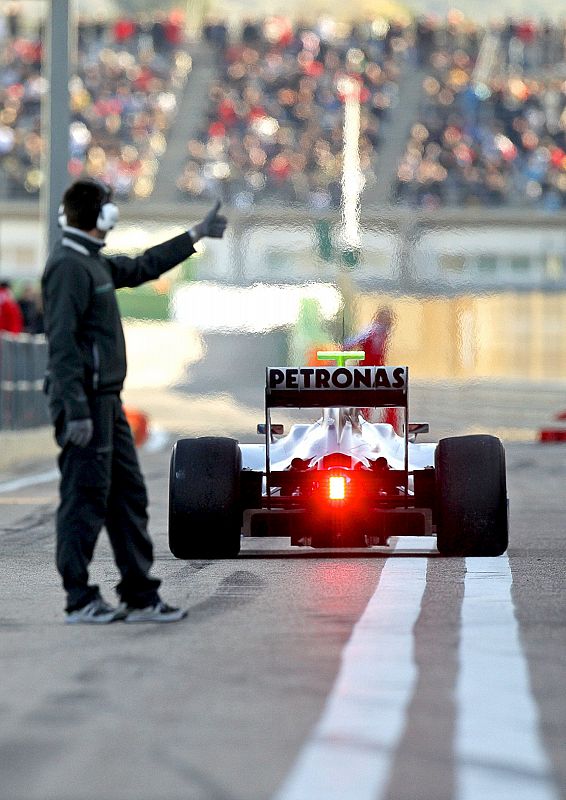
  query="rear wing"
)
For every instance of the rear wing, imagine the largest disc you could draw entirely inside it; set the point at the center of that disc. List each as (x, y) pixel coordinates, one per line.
(332, 387)
(325, 387)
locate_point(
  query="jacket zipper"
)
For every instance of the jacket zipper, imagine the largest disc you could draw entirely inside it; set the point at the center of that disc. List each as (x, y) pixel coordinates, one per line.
(96, 365)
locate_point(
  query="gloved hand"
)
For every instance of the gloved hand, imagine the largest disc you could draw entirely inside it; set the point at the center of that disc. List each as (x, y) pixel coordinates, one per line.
(78, 432)
(213, 225)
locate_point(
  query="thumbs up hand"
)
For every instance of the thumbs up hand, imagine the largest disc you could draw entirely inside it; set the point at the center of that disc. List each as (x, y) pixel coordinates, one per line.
(213, 225)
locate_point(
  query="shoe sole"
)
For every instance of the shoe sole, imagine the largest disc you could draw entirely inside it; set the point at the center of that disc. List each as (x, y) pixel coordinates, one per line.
(162, 619)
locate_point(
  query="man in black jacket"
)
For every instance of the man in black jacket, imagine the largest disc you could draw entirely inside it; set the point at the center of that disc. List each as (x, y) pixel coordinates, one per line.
(101, 482)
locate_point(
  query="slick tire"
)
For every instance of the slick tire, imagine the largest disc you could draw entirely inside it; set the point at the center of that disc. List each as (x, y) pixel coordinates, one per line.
(471, 496)
(204, 498)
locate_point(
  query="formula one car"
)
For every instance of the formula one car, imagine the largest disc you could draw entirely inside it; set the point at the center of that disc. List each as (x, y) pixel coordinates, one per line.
(340, 482)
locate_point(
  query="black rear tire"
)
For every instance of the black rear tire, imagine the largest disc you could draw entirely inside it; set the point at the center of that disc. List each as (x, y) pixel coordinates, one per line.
(205, 517)
(471, 496)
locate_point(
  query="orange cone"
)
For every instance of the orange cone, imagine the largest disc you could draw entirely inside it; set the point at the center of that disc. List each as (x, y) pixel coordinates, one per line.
(139, 423)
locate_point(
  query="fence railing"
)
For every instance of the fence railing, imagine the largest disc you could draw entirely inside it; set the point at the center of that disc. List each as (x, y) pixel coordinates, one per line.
(23, 360)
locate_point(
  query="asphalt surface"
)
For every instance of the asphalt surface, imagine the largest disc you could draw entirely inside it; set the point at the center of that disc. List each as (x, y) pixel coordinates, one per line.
(236, 701)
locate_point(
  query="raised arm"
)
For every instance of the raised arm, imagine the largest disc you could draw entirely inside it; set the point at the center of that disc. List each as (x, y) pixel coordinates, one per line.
(157, 260)
(151, 264)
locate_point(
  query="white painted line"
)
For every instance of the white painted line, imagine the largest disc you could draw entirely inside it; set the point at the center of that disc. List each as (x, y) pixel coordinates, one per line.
(499, 752)
(414, 544)
(29, 480)
(158, 440)
(349, 753)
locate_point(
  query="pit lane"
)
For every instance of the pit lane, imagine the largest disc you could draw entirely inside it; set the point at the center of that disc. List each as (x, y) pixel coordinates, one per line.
(229, 703)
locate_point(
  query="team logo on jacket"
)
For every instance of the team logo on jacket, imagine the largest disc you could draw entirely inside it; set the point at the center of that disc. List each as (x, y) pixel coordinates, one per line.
(305, 378)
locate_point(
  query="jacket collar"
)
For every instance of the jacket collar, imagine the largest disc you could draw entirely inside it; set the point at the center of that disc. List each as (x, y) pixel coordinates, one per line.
(81, 241)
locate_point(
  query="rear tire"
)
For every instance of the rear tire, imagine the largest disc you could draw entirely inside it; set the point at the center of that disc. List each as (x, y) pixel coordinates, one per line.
(205, 518)
(471, 496)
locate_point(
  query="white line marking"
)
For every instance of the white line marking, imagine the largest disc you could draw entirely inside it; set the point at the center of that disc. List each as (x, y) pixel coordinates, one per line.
(414, 544)
(350, 750)
(157, 441)
(498, 749)
(29, 480)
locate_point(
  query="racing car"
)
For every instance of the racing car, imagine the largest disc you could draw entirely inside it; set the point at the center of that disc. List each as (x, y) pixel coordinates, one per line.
(341, 481)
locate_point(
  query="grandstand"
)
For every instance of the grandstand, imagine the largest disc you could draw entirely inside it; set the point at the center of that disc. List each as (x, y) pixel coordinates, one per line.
(491, 125)
(123, 100)
(274, 127)
(452, 114)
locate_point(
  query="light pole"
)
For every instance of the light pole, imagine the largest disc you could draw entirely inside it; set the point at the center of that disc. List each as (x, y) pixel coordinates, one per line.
(55, 116)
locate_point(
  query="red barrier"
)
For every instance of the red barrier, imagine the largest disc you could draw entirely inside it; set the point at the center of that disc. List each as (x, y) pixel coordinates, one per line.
(552, 435)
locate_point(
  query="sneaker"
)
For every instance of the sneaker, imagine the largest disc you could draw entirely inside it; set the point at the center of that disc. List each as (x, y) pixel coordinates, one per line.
(160, 612)
(97, 612)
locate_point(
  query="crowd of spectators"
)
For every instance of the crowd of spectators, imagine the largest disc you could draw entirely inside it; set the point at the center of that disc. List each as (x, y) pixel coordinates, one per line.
(492, 124)
(274, 128)
(491, 127)
(123, 101)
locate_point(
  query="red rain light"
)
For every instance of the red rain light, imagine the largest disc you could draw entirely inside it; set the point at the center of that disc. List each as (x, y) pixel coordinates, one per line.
(337, 487)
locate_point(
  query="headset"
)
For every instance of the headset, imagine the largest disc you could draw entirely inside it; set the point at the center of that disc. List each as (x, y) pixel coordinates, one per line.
(108, 214)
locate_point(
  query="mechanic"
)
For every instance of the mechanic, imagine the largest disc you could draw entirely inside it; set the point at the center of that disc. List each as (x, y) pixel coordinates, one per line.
(374, 341)
(101, 482)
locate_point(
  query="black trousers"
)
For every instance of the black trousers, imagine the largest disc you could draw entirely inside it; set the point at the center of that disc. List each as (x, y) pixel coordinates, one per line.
(102, 484)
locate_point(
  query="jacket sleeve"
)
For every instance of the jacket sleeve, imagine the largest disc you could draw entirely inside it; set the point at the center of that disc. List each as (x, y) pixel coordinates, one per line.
(66, 297)
(151, 264)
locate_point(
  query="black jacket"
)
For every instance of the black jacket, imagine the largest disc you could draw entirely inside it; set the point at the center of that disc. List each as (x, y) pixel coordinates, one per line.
(87, 353)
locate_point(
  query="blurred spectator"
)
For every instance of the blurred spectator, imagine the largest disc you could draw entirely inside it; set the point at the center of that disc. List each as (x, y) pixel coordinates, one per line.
(215, 33)
(11, 319)
(30, 305)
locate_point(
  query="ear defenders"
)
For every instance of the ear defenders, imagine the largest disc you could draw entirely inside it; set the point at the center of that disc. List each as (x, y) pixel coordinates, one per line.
(108, 215)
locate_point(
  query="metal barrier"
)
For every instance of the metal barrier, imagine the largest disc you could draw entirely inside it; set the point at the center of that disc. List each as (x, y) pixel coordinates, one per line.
(23, 359)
